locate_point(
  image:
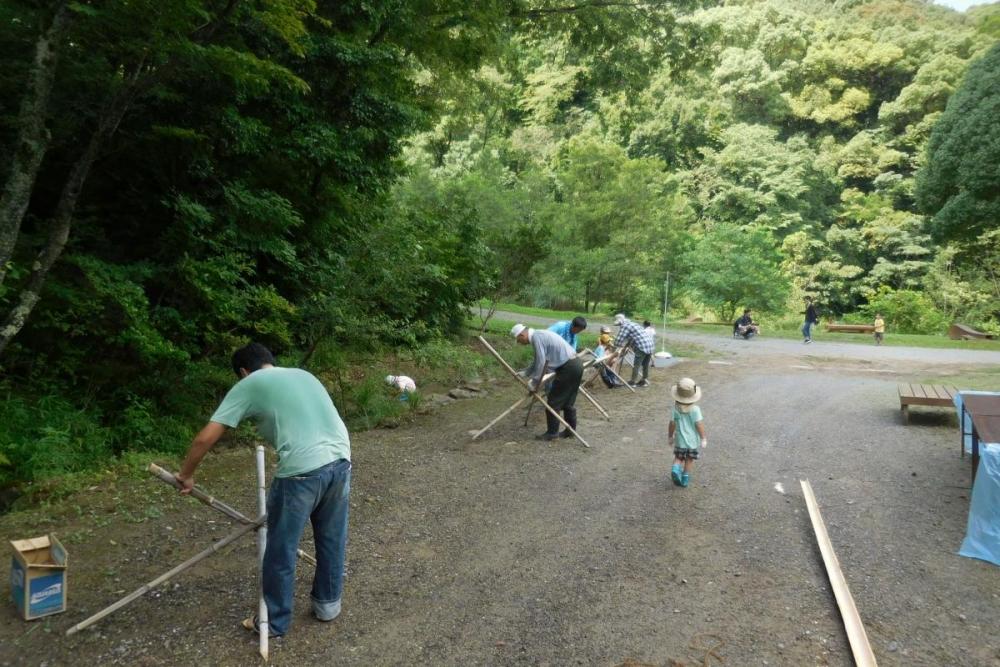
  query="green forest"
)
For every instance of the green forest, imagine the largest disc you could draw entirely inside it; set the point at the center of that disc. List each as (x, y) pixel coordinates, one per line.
(333, 177)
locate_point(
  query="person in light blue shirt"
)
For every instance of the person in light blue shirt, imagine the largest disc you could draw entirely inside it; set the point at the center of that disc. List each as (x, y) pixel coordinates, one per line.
(568, 330)
(687, 429)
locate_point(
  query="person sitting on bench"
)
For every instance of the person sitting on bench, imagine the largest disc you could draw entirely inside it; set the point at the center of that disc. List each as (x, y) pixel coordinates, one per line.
(745, 326)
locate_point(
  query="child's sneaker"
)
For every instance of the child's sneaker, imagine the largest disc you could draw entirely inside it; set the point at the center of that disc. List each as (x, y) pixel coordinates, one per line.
(675, 474)
(685, 478)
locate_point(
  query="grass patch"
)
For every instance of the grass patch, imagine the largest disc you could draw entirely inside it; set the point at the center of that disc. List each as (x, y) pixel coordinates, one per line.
(784, 328)
(987, 379)
(819, 335)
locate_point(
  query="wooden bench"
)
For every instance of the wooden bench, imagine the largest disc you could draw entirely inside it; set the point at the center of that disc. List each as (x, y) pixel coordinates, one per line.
(961, 332)
(924, 394)
(851, 328)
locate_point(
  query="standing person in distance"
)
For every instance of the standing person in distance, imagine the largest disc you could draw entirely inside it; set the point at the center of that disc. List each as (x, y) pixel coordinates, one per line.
(811, 318)
(686, 432)
(555, 354)
(293, 412)
(879, 328)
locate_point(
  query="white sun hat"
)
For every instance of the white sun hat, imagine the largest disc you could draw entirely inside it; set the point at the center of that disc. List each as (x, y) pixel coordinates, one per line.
(516, 330)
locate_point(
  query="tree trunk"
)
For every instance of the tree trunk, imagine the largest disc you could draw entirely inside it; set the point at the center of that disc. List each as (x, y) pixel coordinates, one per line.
(62, 220)
(33, 137)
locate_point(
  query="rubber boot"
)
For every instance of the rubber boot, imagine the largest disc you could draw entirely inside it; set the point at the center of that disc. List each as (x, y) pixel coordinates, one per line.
(569, 414)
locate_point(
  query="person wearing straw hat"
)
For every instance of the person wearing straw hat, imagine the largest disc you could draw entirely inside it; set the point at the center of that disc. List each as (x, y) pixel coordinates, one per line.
(687, 430)
(555, 354)
(293, 411)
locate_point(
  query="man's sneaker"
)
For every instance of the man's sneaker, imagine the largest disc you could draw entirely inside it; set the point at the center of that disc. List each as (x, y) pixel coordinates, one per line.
(808, 340)
(547, 436)
(565, 433)
(675, 474)
(644, 383)
(253, 626)
(685, 478)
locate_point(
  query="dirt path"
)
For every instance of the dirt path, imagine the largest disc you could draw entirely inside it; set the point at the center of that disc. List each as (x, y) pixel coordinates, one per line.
(508, 551)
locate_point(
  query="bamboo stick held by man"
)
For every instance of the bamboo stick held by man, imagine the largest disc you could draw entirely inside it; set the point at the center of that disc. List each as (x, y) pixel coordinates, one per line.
(294, 412)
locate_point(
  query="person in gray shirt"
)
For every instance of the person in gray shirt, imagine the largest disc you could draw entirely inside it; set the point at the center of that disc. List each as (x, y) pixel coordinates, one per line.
(555, 354)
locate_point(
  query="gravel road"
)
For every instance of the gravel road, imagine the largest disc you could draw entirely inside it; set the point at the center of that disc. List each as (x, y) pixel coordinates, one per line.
(789, 349)
(508, 551)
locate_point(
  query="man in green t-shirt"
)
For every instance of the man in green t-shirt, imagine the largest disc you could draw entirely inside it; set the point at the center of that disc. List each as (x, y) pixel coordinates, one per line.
(292, 411)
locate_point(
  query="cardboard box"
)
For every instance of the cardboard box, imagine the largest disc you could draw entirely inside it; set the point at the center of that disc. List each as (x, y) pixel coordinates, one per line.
(38, 576)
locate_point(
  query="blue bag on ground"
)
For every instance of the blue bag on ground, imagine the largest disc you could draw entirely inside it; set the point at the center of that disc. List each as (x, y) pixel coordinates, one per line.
(982, 536)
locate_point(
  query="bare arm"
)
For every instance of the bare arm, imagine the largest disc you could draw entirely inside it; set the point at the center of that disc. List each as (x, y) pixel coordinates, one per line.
(701, 431)
(204, 441)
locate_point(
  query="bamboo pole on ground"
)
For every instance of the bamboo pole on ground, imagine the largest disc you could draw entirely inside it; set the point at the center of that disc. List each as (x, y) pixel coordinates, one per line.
(263, 629)
(537, 396)
(589, 397)
(139, 592)
(862, 650)
(499, 417)
(200, 494)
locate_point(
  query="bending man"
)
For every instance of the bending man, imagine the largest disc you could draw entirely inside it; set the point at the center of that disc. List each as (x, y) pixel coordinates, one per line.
(293, 412)
(642, 346)
(555, 354)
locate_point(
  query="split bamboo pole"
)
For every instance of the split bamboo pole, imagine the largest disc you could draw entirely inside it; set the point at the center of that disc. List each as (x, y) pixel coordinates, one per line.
(194, 560)
(862, 650)
(262, 620)
(200, 494)
(499, 417)
(587, 395)
(534, 393)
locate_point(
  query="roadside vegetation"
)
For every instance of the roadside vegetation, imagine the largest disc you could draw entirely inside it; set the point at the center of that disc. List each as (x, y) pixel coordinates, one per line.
(340, 181)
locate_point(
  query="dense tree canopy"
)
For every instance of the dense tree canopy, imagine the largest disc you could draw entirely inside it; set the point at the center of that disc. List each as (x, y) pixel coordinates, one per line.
(184, 176)
(960, 185)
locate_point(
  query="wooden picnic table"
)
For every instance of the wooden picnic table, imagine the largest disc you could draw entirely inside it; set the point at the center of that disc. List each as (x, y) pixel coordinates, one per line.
(924, 394)
(984, 415)
(850, 328)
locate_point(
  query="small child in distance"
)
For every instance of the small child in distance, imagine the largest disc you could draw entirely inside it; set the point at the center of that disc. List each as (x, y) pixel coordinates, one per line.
(879, 328)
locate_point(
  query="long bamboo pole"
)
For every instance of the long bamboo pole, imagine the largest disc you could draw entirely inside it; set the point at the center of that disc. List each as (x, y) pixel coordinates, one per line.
(535, 393)
(262, 620)
(194, 560)
(862, 650)
(499, 417)
(200, 494)
(587, 395)
(621, 379)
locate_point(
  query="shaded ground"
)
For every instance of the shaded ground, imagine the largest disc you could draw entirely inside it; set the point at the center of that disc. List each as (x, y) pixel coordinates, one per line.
(509, 551)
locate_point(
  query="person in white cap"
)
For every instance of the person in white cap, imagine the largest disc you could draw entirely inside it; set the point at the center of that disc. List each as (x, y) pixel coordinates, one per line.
(555, 354)
(642, 346)
(687, 430)
(401, 382)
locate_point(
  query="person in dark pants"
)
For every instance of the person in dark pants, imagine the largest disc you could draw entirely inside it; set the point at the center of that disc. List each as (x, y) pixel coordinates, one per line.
(642, 345)
(292, 411)
(555, 354)
(811, 318)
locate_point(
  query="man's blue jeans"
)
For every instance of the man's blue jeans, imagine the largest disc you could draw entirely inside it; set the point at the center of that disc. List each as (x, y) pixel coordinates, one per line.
(321, 496)
(807, 329)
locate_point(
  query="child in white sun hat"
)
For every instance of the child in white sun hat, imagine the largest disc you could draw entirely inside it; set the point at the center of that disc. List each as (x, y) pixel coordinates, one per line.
(687, 429)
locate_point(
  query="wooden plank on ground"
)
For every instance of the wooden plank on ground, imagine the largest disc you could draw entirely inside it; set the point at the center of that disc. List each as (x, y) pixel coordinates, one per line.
(862, 650)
